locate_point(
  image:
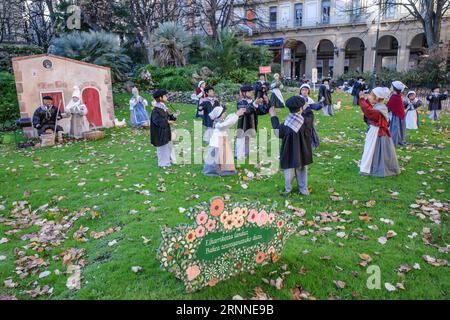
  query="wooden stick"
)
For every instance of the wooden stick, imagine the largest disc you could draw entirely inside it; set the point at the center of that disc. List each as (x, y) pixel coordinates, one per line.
(57, 113)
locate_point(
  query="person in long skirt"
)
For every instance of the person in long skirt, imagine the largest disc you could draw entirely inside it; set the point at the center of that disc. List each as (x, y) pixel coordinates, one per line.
(411, 104)
(276, 99)
(78, 111)
(248, 123)
(305, 90)
(138, 114)
(219, 160)
(296, 147)
(379, 158)
(160, 130)
(325, 92)
(199, 96)
(397, 124)
(435, 99)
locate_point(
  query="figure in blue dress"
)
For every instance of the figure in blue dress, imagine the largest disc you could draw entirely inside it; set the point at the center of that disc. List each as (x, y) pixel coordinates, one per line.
(138, 114)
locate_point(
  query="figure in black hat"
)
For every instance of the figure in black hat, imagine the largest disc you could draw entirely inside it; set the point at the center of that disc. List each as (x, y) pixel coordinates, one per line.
(261, 87)
(248, 124)
(206, 106)
(296, 147)
(358, 86)
(325, 91)
(160, 131)
(435, 99)
(46, 116)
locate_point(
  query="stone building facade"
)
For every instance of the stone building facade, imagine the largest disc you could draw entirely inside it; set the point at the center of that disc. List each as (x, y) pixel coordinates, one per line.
(334, 37)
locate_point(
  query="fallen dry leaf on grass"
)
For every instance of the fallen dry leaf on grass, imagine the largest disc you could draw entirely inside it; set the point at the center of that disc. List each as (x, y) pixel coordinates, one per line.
(339, 284)
(260, 295)
(299, 294)
(434, 261)
(9, 283)
(37, 292)
(389, 287)
(136, 269)
(74, 281)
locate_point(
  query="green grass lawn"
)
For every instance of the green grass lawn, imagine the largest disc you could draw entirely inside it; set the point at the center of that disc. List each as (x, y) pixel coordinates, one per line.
(118, 177)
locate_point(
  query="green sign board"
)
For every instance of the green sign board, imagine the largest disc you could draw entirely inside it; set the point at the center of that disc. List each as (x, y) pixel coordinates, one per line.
(216, 244)
(223, 241)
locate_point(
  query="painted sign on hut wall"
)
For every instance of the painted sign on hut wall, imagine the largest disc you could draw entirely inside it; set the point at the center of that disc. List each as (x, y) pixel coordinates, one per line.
(40, 75)
(223, 241)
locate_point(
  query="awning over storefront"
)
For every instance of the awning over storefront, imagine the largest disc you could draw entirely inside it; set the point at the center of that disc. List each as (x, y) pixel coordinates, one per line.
(269, 42)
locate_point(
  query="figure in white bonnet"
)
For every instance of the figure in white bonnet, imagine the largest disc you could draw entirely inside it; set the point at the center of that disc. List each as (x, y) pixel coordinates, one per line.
(379, 157)
(138, 115)
(78, 111)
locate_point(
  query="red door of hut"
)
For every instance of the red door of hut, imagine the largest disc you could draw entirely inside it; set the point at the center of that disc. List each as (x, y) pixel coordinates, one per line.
(58, 100)
(91, 98)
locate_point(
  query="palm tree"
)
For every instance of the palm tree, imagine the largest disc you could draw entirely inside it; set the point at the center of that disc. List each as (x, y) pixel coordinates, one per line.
(171, 44)
(222, 53)
(101, 48)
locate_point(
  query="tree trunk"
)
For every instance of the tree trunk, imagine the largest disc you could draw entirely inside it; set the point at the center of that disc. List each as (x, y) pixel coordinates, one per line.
(148, 45)
(429, 35)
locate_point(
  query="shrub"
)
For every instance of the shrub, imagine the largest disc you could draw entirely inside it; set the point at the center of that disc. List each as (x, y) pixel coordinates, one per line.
(226, 88)
(9, 110)
(8, 51)
(176, 83)
(354, 75)
(243, 76)
(432, 70)
(276, 68)
(169, 78)
(252, 57)
(101, 48)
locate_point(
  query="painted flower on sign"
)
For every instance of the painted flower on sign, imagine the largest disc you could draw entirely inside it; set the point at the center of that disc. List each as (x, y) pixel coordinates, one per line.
(193, 272)
(280, 223)
(262, 218)
(271, 218)
(229, 222)
(202, 218)
(190, 237)
(252, 216)
(211, 225)
(239, 221)
(217, 207)
(260, 256)
(200, 232)
(223, 217)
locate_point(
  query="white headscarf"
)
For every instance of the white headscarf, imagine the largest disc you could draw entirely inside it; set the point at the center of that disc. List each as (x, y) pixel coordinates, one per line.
(381, 92)
(305, 85)
(216, 113)
(76, 92)
(135, 92)
(74, 106)
(398, 85)
(200, 83)
(410, 93)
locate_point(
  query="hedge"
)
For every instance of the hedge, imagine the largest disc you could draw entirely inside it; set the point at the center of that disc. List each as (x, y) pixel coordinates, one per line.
(9, 51)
